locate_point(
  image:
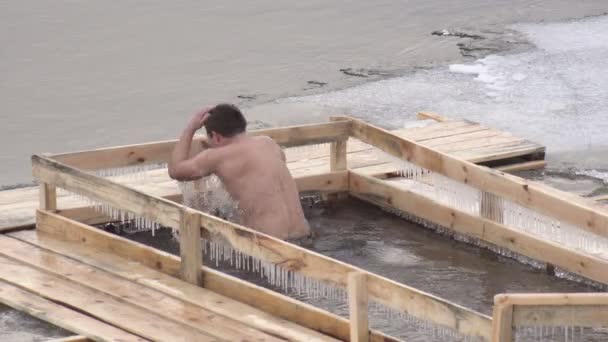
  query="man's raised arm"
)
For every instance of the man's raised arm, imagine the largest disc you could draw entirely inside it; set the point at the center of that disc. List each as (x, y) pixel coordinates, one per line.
(181, 167)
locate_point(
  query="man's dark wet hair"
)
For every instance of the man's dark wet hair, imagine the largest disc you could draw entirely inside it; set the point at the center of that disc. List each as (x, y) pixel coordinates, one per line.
(225, 119)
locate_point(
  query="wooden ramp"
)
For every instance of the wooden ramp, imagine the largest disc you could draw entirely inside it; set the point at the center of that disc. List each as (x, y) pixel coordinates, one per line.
(461, 138)
(108, 298)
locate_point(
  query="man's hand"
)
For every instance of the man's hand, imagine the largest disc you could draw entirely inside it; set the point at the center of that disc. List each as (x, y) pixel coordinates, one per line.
(198, 120)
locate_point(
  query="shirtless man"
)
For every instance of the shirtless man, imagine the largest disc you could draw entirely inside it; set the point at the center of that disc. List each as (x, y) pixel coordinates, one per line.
(252, 169)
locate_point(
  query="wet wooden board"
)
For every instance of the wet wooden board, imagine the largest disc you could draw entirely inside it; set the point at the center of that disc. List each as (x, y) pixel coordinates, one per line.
(61, 316)
(172, 286)
(461, 138)
(184, 313)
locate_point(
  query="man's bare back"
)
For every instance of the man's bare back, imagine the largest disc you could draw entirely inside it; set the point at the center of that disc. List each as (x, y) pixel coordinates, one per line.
(254, 172)
(255, 175)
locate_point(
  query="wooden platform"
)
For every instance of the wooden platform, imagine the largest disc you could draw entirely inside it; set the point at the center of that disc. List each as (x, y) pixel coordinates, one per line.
(128, 291)
(461, 138)
(121, 300)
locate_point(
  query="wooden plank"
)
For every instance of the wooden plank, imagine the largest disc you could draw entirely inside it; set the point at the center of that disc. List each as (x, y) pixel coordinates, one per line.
(439, 129)
(505, 152)
(169, 308)
(531, 165)
(560, 315)
(160, 152)
(480, 143)
(502, 323)
(384, 194)
(117, 195)
(191, 250)
(431, 116)
(140, 322)
(266, 300)
(552, 202)
(357, 307)
(586, 298)
(61, 316)
(458, 138)
(136, 272)
(326, 182)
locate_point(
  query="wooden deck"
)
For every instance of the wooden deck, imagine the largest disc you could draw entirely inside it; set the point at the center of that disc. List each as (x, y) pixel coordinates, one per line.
(461, 138)
(121, 300)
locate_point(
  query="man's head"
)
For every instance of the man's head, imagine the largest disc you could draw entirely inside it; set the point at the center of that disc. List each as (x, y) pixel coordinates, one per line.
(224, 122)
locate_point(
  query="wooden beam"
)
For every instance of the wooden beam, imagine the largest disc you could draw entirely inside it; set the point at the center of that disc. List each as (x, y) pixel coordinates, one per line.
(552, 202)
(531, 165)
(431, 116)
(599, 198)
(76, 338)
(587, 298)
(276, 304)
(384, 194)
(357, 307)
(560, 315)
(191, 250)
(160, 152)
(48, 196)
(157, 209)
(325, 183)
(502, 322)
(61, 316)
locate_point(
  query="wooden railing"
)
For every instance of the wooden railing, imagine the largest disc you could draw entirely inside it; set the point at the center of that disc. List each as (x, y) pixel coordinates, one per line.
(548, 310)
(66, 171)
(400, 297)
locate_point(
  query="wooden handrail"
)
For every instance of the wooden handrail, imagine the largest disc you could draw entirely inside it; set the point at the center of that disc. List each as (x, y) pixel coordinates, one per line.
(160, 152)
(584, 213)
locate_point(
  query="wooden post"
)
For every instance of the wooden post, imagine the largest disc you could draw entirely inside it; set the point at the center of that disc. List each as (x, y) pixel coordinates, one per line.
(357, 307)
(502, 320)
(48, 197)
(190, 248)
(337, 155)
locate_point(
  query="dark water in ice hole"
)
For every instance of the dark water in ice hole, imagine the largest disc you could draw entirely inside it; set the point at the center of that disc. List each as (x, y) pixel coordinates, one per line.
(368, 237)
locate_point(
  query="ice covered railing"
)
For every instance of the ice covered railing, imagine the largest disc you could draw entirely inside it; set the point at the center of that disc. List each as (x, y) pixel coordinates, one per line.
(505, 213)
(284, 265)
(550, 317)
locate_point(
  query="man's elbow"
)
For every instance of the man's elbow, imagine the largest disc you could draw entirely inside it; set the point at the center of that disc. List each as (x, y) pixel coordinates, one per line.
(175, 174)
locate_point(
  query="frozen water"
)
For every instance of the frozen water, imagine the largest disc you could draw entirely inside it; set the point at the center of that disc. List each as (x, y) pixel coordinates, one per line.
(556, 94)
